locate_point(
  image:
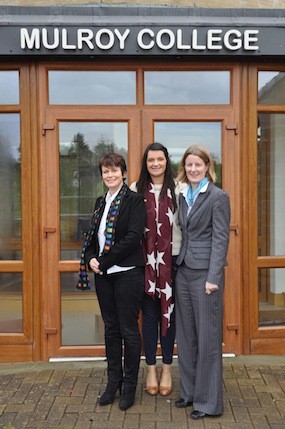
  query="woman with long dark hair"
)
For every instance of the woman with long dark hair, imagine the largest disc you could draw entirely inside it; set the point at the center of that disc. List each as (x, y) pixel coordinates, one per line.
(161, 245)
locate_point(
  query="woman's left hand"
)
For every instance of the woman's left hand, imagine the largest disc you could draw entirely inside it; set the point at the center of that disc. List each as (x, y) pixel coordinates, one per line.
(94, 265)
(210, 287)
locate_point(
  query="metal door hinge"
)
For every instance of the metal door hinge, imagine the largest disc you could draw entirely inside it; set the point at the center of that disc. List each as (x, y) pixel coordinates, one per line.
(48, 230)
(232, 127)
(47, 127)
(233, 327)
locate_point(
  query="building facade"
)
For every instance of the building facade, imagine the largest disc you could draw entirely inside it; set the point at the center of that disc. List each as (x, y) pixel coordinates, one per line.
(76, 81)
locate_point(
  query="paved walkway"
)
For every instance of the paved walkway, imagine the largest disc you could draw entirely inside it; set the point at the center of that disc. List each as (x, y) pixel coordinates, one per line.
(64, 395)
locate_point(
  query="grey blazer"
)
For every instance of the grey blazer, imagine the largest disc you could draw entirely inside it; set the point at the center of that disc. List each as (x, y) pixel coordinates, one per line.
(205, 232)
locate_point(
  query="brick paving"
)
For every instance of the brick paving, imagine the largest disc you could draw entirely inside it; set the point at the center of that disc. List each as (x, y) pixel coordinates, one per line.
(64, 395)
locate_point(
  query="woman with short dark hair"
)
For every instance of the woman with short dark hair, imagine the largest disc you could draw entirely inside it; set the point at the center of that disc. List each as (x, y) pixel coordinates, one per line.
(113, 251)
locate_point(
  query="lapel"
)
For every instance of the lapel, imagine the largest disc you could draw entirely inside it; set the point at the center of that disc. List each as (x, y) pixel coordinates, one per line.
(125, 202)
(101, 210)
(183, 209)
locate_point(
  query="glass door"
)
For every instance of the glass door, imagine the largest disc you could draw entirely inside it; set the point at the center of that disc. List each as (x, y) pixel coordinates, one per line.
(72, 321)
(217, 130)
(80, 146)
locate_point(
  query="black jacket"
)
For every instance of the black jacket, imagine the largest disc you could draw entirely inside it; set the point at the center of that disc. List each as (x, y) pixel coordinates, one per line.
(126, 250)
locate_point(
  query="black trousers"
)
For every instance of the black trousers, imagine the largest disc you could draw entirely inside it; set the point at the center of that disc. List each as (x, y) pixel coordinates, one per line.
(151, 323)
(120, 299)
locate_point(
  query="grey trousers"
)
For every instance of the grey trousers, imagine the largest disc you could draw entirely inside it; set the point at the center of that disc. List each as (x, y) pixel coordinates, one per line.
(199, 330)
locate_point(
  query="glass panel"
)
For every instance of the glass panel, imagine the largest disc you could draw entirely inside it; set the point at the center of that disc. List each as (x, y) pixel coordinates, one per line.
(178, 136)
(271, 87)
(11, 315)
(10, 187)
(92, 87)
(82, 323)
(80, 146)
(271, 284)
(9, 87)
(271, 184)
(187, 87)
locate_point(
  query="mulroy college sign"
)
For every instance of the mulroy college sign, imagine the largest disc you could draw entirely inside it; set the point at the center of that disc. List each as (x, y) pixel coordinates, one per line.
(137, 40)
(141, 31)
(141, 40)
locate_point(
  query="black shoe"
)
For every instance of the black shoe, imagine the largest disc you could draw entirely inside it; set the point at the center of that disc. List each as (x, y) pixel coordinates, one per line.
(197, 415)
(181, 403)
(128, 397)
(108, 396)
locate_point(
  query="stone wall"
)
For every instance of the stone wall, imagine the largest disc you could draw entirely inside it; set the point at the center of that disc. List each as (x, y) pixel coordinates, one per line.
(250, 4)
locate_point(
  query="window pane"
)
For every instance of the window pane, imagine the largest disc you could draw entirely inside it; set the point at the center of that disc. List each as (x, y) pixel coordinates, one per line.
(10, 187)
(9, 87)
(271, 184)
(271, 87)
(187, 87)
(92, 87)
(11, 315)
(80, 146)
(271, 296)
(82, 323)
(178, 136)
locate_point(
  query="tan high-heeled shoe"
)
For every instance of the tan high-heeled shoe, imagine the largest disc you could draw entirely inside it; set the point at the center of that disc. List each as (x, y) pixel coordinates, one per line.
(151, 383)
(165, 385)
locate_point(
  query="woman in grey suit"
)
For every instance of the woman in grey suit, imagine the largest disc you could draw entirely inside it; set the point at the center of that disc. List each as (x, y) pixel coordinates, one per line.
(204, 215)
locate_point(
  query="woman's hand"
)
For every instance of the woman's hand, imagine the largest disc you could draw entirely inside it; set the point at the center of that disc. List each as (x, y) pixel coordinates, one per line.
(210, 287)
(94, 265)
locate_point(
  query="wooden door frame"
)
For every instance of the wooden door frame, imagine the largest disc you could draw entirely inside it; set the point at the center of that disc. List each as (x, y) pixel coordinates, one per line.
(258, 340)
(28, 345)
(20, 346)
(56, 113)
(51, 336)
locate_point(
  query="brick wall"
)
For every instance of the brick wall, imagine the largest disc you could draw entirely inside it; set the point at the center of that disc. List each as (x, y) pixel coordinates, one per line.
(258, 4)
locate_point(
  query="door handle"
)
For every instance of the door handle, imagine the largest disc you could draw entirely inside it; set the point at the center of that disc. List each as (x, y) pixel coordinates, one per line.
(48, 230)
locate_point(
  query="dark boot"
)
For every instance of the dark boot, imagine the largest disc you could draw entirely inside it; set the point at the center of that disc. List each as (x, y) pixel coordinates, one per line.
(128, 397)
(108, 396)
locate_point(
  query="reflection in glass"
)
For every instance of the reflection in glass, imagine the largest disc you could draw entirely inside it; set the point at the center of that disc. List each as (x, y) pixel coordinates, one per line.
(81, 319)
(187, 87)
(271, 87)
(271, 184)
(92, 87)
(271, 288)
(11, 315)
(10, 187)
(178, 136)
(9, 87)
(80, 146)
